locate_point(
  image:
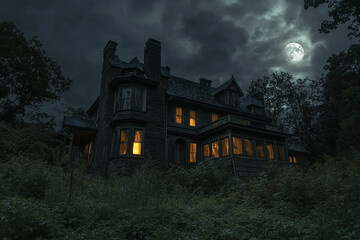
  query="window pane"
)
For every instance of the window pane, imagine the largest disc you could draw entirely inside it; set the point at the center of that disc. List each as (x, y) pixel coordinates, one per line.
(179, 115)
(124, 138)
(139, 98)
(215, 149)
(126, 97)
(137, 142)
(237, 146)
(192, 118)
(225, 146)
(280, 152)
(270, 150)
(192, 152)
(249, 151)
(260, 149)
(290, 159)
(214, 117)
(206, 150)
(244, 122)
(294, 158)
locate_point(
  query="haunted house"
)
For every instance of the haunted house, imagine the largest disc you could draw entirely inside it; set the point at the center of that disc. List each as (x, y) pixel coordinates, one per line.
(144, 113)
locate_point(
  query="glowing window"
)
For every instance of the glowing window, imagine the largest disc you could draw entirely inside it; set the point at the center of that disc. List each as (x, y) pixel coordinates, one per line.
(206, 150)
(249, 151)
(245, 122)
(290, 158)
(192, 118)
(225, 147)
(280, 152)
(178, 115)
(260, 149)
(137, 142)
(270, 150)
(294, 158)
(124, 138)
(215, 149)
(214, 117)
(237, 146)
(126, 98)
(193, 152)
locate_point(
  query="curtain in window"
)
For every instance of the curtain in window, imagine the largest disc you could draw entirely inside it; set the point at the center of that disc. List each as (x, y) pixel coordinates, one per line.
(193, 152)
(270, 150)
(126, 98)
(260, 149)
(237, 146)
(139, 99)
(192, 118)
(178, 115)
(124, 138)
(137, 142)
(225, 146)
(206, 150)
(249, 151)
(215, 149)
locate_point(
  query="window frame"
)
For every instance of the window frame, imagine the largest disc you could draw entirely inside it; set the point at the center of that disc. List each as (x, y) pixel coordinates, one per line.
(118, 98)
(212, 117)
(115, 151)
(252, 147)
(208, 156)
(195, 117)
(267, 151)
(212, 149)
(263, 148)
(182, 115)
(242, 145)
(191, 153)
(222, 146)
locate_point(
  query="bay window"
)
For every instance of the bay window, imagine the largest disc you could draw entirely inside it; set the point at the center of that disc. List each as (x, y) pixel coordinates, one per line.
(237, 146)
(225, 147)
(130, 98)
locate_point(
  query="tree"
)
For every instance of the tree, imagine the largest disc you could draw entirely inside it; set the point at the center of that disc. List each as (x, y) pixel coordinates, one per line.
(341, 114)
(341, 12)
(28, 78)
(295, 104)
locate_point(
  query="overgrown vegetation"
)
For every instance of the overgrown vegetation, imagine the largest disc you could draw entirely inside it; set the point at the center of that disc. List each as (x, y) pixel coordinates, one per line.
(202, 203)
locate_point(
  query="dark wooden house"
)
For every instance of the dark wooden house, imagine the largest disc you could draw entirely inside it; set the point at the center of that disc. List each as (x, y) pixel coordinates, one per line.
(144, 112)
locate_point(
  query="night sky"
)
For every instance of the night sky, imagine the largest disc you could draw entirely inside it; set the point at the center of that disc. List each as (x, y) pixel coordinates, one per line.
(211, 39)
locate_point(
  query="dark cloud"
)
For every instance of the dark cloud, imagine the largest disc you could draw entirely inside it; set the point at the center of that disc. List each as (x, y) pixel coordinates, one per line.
(212, 39)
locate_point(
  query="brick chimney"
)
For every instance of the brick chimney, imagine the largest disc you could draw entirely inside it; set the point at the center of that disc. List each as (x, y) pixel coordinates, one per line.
(152, 58)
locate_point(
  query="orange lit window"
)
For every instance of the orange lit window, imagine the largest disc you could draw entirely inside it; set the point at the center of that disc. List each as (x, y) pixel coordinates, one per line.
(225, 147)
(215, 149)
(192, 152)
(270, 150)
(214, 117)
(124, 138)
(280, 152)
(178, 115)
(192, 118)
(245, 122)
(249, 151)
(260, 149)
(290, 158)
(206, 150)
(237, 146)
(294, 158)
(137, 142)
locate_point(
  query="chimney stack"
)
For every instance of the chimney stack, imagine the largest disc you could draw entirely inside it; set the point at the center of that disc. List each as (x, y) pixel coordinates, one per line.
(110, 49)
(205, 82)
(152, 58)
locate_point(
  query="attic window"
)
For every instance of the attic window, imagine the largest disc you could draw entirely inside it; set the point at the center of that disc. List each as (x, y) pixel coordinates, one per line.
(178, 115)
(260, 149)
(192, 118)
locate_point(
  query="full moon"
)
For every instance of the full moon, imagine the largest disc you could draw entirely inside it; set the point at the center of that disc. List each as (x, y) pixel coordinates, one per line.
(294, 52)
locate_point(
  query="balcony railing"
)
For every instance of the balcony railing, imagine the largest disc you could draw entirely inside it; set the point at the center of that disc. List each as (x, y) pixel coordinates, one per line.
(240, 121)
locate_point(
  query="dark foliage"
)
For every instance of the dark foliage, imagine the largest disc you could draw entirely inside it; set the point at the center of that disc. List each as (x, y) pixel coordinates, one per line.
(28, 78)
(341, 12)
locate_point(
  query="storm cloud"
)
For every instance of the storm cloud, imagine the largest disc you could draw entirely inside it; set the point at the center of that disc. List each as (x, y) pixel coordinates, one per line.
(211, 39)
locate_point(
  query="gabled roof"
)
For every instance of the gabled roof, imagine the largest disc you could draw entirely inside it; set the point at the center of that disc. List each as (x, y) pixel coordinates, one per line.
(250, 100)
(226, 85)
(79, 123)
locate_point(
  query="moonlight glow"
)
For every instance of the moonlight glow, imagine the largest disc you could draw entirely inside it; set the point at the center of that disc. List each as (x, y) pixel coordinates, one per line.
(294, 52)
